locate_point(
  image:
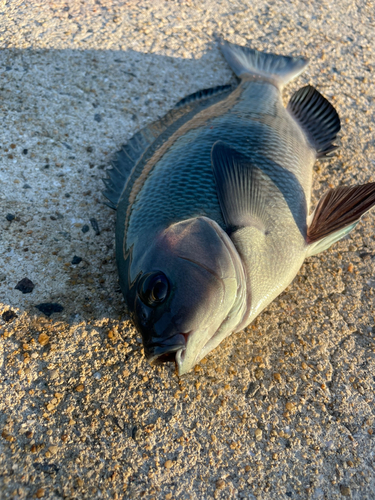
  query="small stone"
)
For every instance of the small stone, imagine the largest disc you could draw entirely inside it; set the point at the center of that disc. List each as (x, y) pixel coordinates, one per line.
(25, 286)
(289, 406)
(304, 365)
(345, 491)
(49, 308)
(72, 422)
(95, 226)
(40, 493)
(247, 468)
(85, 228)
(97, 117)
(80, 388)
(258, 434)
(80, 482)
(25, 151)
(76, 260)
(97, 376)
(53, 449)
(10, 217)
(8, 437)
(89, 149)
(259, 374)
(43, 339)
(220, 484)
(54, 374)
(9, 316)
(277, 377)
(26, 186)
(29, 434)
(350, 268)
(168, 464)
(50, 407)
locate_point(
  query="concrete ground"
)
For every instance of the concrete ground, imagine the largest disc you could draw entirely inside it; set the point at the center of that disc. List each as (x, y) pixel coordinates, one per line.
(282, 410)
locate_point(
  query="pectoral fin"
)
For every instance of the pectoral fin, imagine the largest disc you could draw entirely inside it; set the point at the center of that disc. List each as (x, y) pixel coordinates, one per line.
(337, 213)
(241, 188)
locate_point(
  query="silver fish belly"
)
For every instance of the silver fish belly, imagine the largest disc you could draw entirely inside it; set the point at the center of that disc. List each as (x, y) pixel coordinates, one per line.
(213, 206)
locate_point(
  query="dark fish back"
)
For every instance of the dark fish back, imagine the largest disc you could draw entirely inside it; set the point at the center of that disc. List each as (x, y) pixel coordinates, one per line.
(175, 181)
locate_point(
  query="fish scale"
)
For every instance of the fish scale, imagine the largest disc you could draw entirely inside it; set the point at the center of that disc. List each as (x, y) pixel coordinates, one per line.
(212, 206)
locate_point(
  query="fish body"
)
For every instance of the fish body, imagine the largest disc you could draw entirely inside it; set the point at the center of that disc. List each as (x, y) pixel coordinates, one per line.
(213, 206)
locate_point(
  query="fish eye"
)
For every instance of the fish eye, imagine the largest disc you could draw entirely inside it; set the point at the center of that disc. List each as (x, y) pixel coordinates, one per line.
(154, 288)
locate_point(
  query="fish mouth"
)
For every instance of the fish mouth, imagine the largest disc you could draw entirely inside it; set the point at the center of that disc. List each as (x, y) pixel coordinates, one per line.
(157, 354)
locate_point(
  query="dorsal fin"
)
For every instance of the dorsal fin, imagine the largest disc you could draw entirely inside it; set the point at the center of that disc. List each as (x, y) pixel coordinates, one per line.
(130, 154)
(123, 163)
(317, 117)
(202, 94)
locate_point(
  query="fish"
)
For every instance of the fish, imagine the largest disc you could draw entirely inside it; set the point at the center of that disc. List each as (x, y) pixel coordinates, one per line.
(213, 206)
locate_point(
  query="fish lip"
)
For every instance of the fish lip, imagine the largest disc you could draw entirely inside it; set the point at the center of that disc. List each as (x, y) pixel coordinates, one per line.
(184, 365)
(180, 355)
(164, 356)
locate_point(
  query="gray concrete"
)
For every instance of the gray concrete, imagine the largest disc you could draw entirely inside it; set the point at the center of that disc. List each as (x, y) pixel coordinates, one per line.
(283, 410)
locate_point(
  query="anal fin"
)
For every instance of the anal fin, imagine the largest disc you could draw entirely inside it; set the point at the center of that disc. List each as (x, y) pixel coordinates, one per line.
(337, 213)
(317, 117)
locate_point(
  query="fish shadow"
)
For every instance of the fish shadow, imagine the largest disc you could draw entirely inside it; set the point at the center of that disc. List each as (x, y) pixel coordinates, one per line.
(67, 112)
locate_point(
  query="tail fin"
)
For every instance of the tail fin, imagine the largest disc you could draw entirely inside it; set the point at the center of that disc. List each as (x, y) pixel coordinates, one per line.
(280, 69)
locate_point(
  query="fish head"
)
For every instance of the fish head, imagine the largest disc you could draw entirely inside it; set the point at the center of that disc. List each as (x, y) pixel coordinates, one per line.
(190, 294)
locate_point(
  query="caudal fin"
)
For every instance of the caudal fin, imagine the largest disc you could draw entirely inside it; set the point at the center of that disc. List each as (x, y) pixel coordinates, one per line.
(246, 61)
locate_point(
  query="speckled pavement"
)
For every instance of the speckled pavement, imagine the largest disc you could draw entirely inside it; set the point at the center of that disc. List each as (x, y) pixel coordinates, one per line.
(283, 410)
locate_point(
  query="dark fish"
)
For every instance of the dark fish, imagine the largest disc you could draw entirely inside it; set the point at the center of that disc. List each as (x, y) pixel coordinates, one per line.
(213, 206)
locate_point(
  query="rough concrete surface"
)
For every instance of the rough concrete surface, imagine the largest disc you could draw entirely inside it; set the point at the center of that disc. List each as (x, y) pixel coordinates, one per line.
(282, 410)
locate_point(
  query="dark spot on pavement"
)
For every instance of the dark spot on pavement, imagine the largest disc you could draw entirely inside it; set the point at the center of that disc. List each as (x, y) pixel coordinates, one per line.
(76, 260)
(9, 316)
(95, 225)
(49, 308)
(25, 286)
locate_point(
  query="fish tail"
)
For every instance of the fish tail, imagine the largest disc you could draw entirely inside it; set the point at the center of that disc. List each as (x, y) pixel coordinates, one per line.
(245, 61)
